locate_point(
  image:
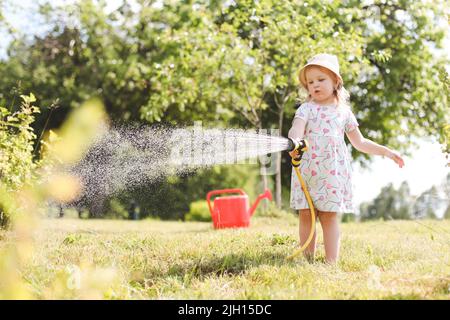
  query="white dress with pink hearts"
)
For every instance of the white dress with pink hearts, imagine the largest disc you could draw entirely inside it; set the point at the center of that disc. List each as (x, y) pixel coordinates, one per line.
(326, 166)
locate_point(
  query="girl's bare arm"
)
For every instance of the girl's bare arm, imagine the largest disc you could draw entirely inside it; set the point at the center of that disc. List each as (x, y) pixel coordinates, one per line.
(368, 146)
(297, 132)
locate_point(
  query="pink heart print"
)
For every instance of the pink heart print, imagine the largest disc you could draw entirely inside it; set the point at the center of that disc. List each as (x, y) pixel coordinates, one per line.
(313, 173)
(325, 130)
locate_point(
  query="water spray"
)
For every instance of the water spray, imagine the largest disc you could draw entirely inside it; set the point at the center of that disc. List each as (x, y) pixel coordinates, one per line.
(115, 162)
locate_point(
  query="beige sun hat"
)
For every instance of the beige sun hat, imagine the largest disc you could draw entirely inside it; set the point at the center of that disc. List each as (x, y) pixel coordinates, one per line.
(325, 60)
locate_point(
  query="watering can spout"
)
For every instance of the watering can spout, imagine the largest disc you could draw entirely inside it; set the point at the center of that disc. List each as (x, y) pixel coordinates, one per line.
(267, 194)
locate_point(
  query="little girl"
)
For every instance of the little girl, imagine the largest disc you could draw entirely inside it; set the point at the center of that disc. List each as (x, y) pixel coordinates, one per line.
(326, 166)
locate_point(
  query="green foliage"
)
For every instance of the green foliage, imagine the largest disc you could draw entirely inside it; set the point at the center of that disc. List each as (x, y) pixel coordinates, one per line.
(72, 238)
(16, 148)
(282, 239)
(117, 210)
(209, 61)
(272, 211)
(348, 217)
(24, 202)
(403, 90)
(198, 211)
(16, 144)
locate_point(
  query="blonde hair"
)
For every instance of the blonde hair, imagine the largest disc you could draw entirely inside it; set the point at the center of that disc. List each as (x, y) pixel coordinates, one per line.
(340, 93)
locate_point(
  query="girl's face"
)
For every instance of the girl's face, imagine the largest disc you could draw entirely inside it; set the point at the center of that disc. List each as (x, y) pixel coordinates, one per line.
(321, 83)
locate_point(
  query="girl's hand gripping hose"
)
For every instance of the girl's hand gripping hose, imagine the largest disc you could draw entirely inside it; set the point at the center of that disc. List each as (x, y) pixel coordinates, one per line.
(297, 148)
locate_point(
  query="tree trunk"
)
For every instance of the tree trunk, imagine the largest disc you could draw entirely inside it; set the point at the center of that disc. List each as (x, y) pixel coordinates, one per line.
(278, 165)
(263, 172)
(264, 183)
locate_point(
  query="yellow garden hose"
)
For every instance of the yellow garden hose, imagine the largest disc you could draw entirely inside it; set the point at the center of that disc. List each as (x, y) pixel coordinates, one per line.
(302, 147)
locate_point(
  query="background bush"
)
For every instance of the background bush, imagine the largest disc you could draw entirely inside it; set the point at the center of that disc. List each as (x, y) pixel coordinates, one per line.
(198, 211)
(16, 147)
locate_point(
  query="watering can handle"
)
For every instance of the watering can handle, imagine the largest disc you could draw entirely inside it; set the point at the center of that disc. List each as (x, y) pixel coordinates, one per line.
(215, 192)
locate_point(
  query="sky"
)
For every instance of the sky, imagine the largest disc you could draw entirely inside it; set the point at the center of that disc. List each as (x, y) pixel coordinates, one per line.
(427, 166)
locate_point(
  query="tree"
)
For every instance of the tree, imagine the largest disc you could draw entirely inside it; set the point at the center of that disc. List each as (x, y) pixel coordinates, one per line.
(446, 193)
(389, 204)
(280, 36)
(403, 202)
(447, 213)
(404, 90)
(384, 204)
(426, 204)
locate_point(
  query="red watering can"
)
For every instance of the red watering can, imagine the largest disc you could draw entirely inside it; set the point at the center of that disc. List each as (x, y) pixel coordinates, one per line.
(233, 211)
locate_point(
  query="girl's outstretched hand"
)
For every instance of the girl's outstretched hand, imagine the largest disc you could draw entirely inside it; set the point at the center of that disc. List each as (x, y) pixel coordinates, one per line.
(396, 157)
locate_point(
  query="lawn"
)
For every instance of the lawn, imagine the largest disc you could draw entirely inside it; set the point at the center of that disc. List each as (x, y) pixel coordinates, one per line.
(150, 259)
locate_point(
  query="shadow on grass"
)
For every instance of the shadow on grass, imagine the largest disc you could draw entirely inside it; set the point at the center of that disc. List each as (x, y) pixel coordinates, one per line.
(229, 264)
(214, 265)
(203, 229)
(404, 296)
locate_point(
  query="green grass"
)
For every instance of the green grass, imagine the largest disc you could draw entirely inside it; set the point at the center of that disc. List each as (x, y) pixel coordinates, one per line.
(176, 260)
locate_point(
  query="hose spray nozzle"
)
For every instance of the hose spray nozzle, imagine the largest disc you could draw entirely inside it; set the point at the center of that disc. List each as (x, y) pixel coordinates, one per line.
(294, 144)
(301, 146)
